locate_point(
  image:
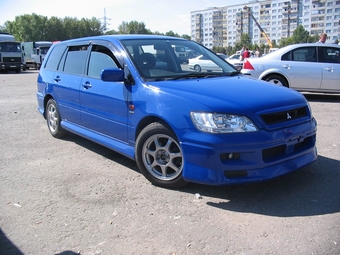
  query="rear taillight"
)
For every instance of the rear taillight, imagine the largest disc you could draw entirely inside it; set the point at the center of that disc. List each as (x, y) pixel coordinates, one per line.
(247, 65)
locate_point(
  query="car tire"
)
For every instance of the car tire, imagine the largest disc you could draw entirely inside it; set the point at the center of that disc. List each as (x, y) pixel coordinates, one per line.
(197, 68)
(53, 119)
(159, 156)
(277, 80)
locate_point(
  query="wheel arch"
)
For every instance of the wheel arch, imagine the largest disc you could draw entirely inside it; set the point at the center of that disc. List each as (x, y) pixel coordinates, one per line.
(46, 98)
(151, 119)
(265, 75)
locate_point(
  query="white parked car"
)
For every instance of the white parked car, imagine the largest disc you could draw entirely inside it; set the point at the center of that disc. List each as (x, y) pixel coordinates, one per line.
(202, 63)
(312, 67)
(222, 55)
(235, 60)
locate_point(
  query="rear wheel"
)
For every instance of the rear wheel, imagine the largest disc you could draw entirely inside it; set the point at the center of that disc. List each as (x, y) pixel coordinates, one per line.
(53, 119)
(159, 156)
(277, 80)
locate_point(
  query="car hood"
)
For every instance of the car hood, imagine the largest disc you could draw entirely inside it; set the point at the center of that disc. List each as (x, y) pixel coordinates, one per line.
(232, 94)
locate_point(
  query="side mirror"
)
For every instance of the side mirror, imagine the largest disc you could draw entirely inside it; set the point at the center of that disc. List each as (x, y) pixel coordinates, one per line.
(112, 74)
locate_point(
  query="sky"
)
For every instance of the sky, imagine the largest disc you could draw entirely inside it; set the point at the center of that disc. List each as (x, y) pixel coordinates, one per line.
(160, 15)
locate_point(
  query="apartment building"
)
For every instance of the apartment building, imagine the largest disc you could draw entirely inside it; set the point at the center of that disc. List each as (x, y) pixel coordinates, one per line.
(276, 19)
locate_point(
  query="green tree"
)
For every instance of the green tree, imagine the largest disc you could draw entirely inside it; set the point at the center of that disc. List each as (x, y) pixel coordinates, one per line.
(133, 27)
(171, 33)
(111, 32)
(39, 28)
(185, 36)
(3, 29)
(300, 35)
(55, 31)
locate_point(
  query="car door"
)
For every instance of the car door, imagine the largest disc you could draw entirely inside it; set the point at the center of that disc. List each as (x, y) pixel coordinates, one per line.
(330, 58)
(67, 80)
(301, 67)
(104, 106)
(207, 64)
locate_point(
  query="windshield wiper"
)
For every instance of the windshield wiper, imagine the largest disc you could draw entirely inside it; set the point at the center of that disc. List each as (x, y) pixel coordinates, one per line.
(197, 75)
(233, 73)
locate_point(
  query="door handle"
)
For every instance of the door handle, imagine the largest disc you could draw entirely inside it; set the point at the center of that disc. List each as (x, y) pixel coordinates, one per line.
(329, 69)
(57, 79)
(286, 66)
(87, 85)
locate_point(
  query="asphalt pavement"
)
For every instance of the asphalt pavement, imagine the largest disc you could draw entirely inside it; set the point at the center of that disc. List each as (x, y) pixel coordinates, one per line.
(71, 196)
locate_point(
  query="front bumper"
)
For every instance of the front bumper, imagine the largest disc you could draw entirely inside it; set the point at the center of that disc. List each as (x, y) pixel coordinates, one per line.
(11, 66)
(239, 161)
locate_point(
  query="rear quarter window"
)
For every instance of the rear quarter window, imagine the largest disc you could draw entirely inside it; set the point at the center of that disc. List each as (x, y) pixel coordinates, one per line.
(54, 58)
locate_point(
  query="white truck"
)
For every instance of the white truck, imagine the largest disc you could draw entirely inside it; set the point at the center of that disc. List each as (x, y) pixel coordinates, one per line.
(11, 55)
(34, 53)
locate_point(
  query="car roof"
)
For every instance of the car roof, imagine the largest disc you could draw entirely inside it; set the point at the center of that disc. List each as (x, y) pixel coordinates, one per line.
(124, 37)
(298, 45)
(277, 53)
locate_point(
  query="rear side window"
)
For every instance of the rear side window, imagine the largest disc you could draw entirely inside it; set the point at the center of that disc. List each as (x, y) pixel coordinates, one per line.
(54, 58)
(75, 59)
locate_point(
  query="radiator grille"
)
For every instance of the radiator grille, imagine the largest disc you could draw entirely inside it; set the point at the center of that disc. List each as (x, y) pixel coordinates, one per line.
(278, 117)
(12, 59)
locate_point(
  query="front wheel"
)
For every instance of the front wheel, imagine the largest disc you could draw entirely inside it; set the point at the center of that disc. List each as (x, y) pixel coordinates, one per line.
(159, 156)
(197, 69)
(53, 119)
(277, 80)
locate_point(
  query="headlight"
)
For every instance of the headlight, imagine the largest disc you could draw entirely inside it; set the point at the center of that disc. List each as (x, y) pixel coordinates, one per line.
(222, 123)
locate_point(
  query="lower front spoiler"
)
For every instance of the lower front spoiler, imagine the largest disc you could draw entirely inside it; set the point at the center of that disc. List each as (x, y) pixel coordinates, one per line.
(197, 174)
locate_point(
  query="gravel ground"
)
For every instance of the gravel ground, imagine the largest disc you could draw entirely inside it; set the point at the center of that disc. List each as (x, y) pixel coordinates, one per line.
(72, 196)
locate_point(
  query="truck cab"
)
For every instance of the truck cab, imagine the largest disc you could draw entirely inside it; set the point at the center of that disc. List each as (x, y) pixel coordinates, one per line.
(11, 56)
(35, 52)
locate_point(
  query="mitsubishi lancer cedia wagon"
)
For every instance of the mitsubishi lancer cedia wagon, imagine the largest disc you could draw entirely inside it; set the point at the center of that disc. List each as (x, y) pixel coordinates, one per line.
(132, 94)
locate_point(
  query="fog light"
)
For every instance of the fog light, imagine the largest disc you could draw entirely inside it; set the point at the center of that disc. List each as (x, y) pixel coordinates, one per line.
(230, 156)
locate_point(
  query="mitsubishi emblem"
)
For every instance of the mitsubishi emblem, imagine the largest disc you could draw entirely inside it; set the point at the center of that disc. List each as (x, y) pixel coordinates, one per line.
(288, 116)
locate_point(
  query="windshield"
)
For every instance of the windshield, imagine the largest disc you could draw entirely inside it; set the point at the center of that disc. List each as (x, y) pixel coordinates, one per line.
(43, 50)
(170, 59)
(10, 47)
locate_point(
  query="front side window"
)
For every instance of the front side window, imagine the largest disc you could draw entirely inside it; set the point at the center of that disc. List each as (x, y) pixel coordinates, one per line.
(329, 55)
(100, 58)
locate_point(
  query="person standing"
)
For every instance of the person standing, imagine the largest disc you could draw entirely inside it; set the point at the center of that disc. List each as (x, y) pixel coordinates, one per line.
(258, 52)
(241, 53)
(323, 38)
(246, 54)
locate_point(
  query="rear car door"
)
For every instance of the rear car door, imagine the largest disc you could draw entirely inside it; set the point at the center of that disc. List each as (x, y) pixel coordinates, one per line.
(302, 68)
(104, 106)
(67, 80)
(330, 58)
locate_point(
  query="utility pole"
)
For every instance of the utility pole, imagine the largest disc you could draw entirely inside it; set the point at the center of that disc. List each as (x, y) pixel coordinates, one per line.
(105, 19)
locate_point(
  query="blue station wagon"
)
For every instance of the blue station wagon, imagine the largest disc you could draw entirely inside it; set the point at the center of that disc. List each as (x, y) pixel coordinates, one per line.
(134, 95)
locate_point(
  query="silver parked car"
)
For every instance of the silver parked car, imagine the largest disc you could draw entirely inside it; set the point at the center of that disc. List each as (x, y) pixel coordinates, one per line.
(312, 67)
